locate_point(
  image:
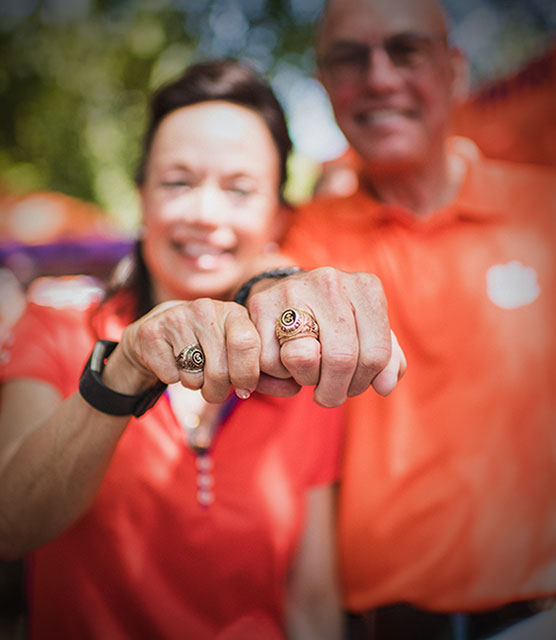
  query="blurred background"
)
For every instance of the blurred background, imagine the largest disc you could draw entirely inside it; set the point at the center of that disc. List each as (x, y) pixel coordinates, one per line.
(75, 76)
(74, 79)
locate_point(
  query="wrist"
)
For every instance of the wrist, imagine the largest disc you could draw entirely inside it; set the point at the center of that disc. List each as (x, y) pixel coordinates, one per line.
(246, 288)
(95, 392)
(124, 374)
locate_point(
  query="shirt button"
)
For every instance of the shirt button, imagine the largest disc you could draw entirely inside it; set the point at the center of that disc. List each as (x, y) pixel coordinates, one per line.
(205, 497)
(204, 463)
(205, 480)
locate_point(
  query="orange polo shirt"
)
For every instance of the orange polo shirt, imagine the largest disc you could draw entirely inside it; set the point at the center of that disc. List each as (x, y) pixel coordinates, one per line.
(449, 484)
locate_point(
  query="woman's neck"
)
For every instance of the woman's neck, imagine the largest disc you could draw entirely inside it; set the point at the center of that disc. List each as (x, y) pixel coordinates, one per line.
(196, 416)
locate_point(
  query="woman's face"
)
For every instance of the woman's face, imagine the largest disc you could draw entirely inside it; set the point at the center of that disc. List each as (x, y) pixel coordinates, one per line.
(210, 199)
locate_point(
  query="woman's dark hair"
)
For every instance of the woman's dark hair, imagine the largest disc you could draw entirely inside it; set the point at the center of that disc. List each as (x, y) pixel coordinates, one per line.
(222, 79)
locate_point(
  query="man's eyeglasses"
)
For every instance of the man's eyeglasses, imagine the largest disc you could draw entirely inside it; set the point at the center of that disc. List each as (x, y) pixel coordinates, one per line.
(349, 61)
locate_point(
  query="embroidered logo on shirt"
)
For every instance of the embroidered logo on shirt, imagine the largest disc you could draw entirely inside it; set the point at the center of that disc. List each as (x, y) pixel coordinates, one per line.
(512, 285)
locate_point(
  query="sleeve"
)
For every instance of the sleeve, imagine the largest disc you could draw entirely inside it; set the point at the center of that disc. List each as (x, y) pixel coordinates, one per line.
(47, 344)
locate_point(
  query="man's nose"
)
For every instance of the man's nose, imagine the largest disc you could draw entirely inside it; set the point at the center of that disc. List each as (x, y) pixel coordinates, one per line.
(382, 75)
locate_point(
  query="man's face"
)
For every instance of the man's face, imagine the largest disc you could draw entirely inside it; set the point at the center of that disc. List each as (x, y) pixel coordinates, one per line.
(389, 74)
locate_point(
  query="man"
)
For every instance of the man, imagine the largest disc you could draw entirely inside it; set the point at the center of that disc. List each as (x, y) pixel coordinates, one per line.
(448, 499)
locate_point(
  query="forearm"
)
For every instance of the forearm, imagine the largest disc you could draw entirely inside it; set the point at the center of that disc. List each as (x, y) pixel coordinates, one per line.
(319, 619)
(313, 604)
(54, 453)
(51, 474)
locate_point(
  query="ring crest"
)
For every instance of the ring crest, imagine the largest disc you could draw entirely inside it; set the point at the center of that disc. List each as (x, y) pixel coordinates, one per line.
(290, 319)
(191, 359)
(296, 323)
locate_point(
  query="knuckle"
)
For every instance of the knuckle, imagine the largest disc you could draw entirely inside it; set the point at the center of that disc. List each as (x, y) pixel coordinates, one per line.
(204, 307)
(244, 379)
(244, 341)
(360, 382)
(144, 344)
(256, 306)
(357, 390)
(191, 382)
(214, 394)
(370, 364)
(383, 358)
(238, 312)
(299, 359)
(169, 377)
(267, 363)
(171, 317)
(367, 278)
(329, 278)
(217, 374)
(327, 273)
(371, 280)
(342, 361)
(272, 365)
(326, 401)
(147, 331)
(371, 284)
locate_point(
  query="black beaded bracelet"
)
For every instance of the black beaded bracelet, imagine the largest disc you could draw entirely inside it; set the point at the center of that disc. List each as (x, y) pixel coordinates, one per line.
(245, 289)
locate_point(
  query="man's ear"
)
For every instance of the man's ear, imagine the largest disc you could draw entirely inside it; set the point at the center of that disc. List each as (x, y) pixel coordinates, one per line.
(461, 76)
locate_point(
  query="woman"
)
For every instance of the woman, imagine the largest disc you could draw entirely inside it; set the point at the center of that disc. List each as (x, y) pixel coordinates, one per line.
(195, 520)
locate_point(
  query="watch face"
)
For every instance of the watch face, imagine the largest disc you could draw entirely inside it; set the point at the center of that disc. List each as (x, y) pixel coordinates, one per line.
(101, 351)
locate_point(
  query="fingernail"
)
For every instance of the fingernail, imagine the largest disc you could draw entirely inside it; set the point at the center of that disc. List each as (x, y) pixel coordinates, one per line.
(243, 394)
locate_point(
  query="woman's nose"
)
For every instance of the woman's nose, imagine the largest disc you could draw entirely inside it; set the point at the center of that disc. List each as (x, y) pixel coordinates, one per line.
(209, 207)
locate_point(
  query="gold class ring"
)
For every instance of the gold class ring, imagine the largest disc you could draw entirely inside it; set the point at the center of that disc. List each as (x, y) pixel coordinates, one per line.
(191, 359)
(295, 323)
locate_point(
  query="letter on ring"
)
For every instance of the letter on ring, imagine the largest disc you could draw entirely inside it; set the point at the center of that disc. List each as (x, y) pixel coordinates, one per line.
(191, 359)
(296, 323)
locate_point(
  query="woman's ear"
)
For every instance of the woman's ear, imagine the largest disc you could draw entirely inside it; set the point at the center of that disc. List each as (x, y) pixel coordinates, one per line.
(461, 75)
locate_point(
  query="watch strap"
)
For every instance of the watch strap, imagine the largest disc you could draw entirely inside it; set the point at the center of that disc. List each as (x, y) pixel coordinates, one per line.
(99, 396)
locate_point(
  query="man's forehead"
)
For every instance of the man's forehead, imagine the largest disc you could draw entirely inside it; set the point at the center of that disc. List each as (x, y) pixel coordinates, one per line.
(342, 16)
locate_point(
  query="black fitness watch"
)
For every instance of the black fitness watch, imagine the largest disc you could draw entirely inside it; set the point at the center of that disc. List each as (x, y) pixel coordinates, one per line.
(99, 396)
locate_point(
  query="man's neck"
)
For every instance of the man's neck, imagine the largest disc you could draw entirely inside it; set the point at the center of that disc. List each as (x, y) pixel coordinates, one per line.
(421, 190)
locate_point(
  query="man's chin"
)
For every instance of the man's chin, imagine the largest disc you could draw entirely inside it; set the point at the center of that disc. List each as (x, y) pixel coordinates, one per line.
(388, 155)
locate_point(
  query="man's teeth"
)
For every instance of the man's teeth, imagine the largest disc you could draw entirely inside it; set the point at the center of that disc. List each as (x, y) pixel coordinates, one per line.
(375, 117)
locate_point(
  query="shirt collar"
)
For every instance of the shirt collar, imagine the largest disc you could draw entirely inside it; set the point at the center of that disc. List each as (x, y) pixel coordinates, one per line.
(475, 201)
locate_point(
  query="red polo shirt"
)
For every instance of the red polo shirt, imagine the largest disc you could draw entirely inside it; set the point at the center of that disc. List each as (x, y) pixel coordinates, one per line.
(150, 559)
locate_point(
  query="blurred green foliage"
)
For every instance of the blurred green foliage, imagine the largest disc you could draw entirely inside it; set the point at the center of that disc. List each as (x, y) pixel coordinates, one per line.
(75, 75)
(74, 82)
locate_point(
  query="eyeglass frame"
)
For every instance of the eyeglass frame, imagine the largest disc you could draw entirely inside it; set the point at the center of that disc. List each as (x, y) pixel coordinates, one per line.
(361, 59)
